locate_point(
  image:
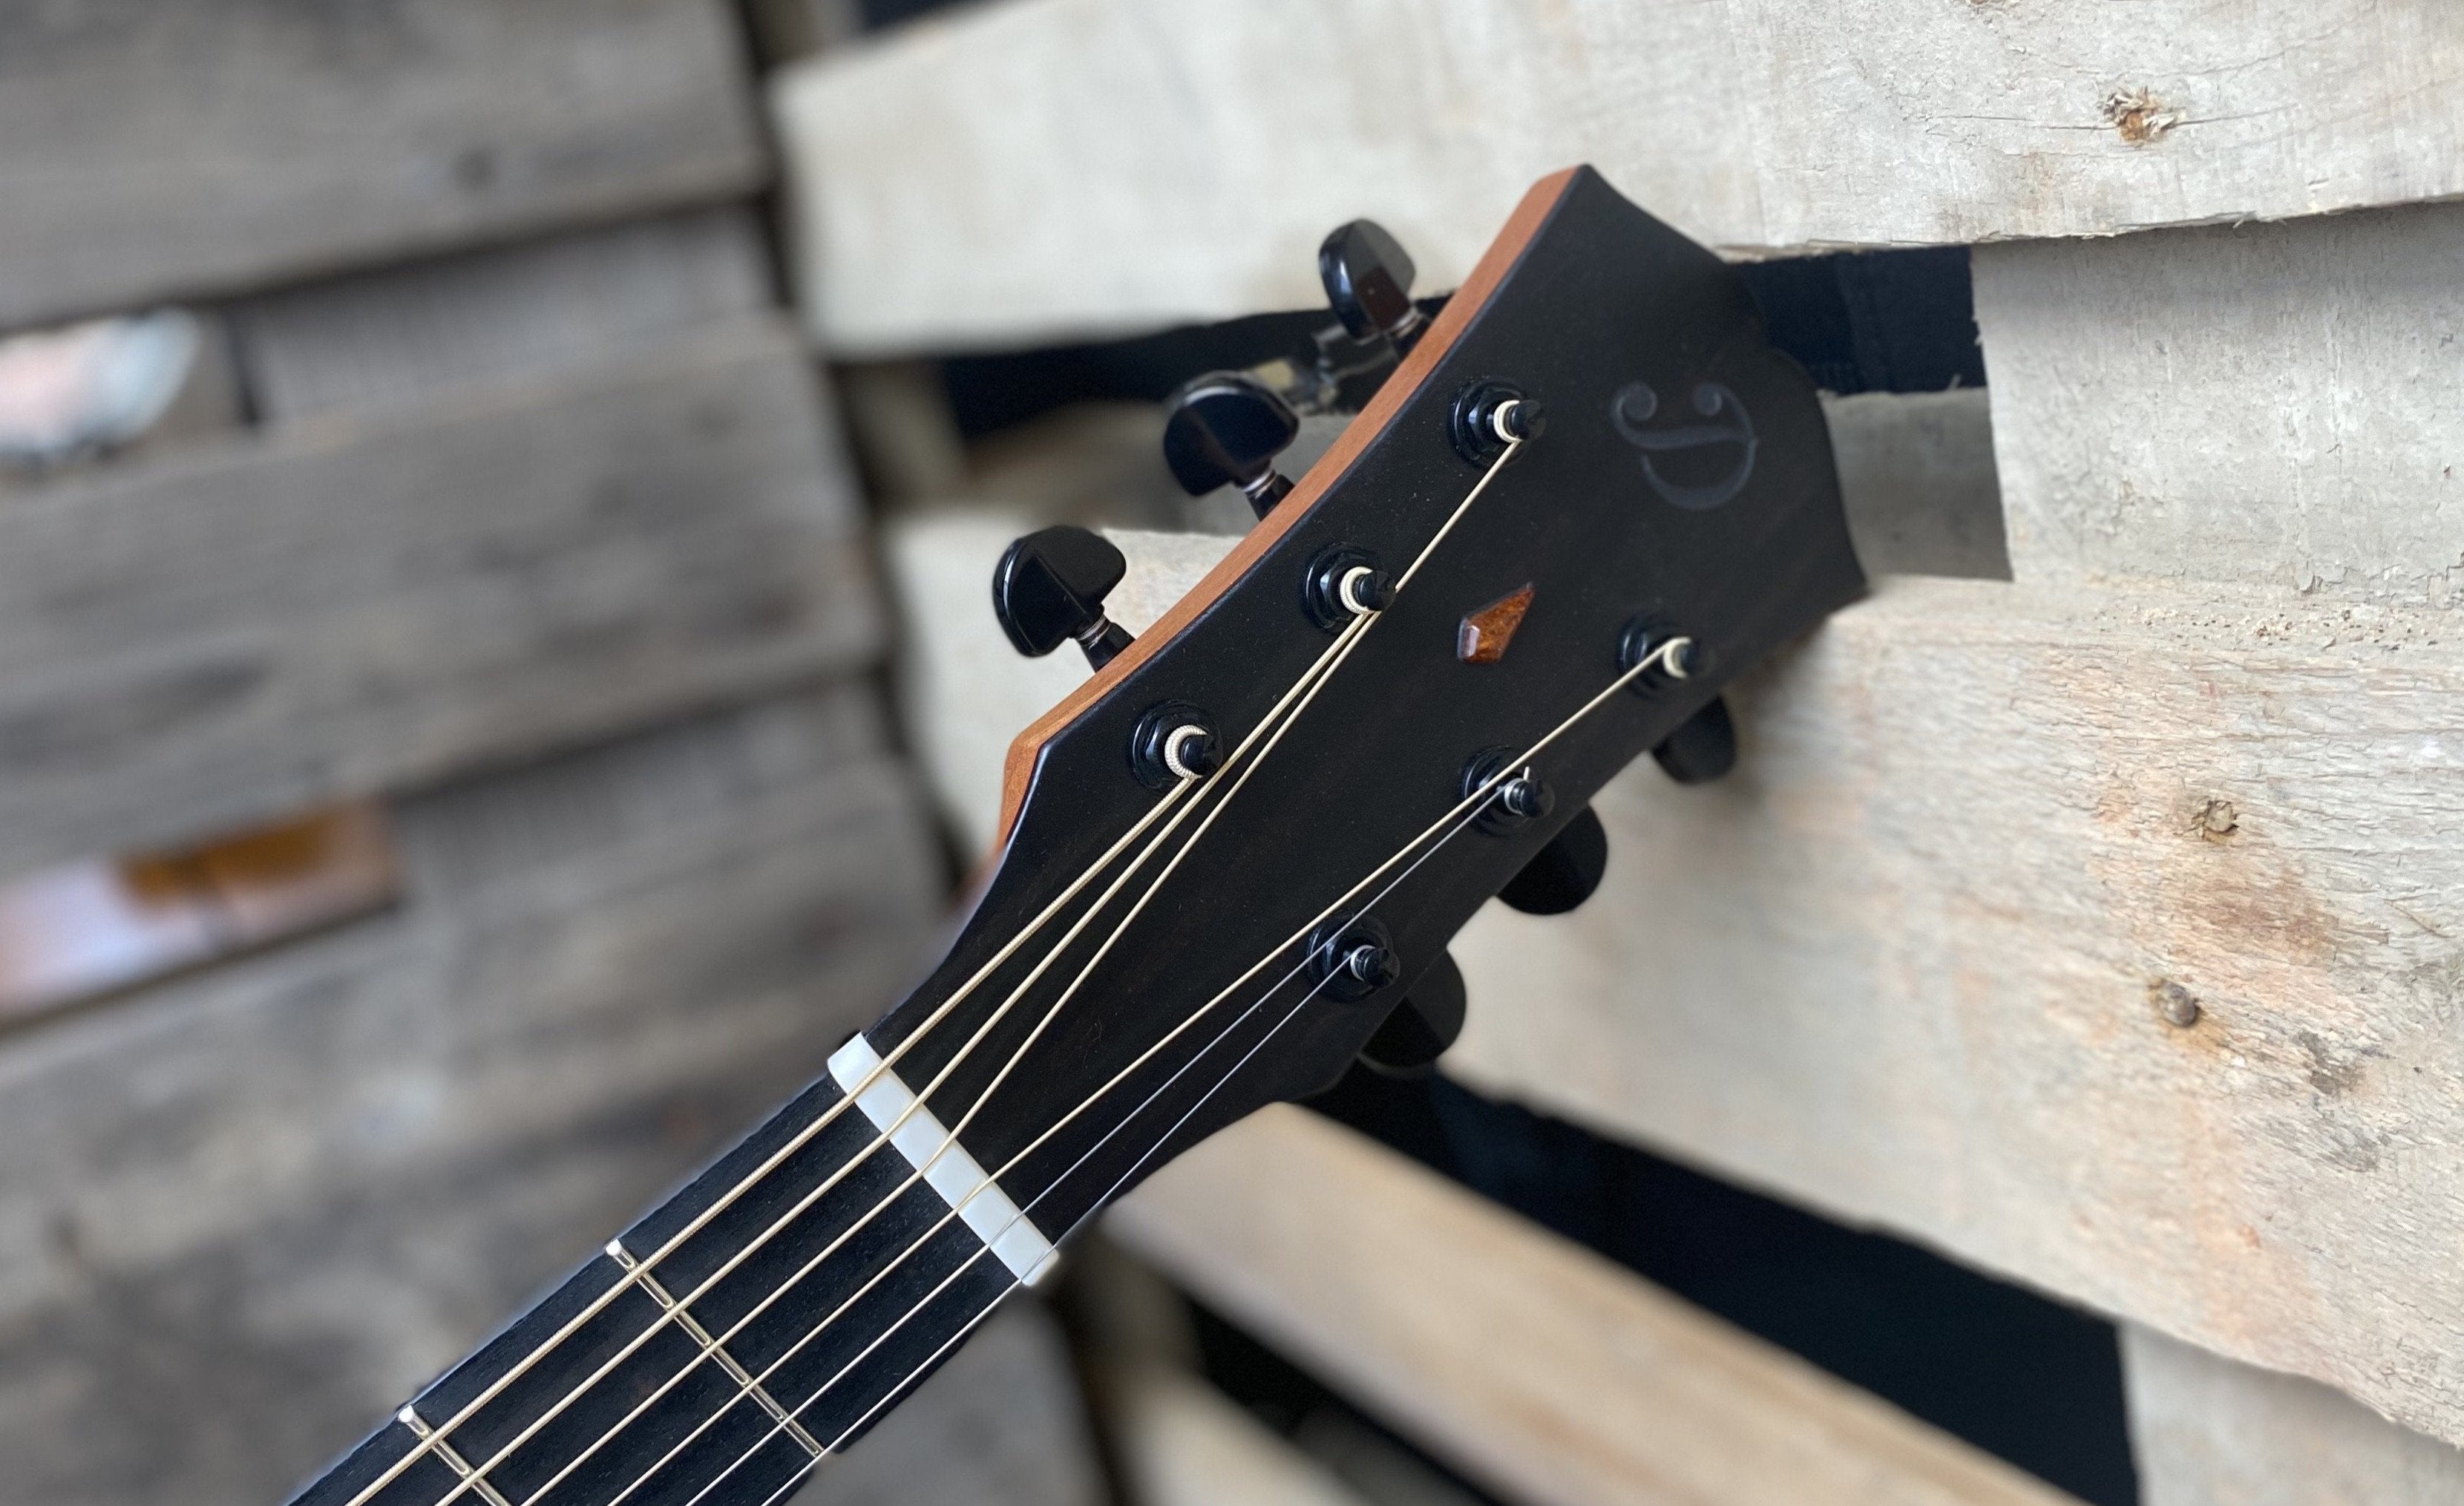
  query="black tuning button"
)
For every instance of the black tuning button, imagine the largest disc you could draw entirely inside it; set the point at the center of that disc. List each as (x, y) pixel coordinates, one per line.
(1418, 1030)
(1369, 280)
(1563, 874)
(1703, 747)
(1225, 429)
(1050, 587)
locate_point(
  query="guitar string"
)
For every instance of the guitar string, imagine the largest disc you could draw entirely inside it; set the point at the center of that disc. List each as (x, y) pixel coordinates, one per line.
(438, 1434)
(1126, 1120)
(984, 1097)
(1315, 676)
(644, 1267)
(1661, 656)
(992, 1179)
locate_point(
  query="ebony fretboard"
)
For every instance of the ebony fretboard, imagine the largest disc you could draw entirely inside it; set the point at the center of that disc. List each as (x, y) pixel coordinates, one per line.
(675, 1420)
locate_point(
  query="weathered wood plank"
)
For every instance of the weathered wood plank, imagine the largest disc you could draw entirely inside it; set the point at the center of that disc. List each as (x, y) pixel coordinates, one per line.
(211, 145)
(243, 1215)
(1918, 965)
(1539, 1370)
(399, 336)
(1915, 969)
(2210, 1432)
(346, 606)
(2268, 406)
(1179, 1442)
(1072, 167)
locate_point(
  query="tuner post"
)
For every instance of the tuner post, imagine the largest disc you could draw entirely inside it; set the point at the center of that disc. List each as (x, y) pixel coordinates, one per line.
(1671, 656)
(1049, 589)
(1368, 280)
(1225, 429)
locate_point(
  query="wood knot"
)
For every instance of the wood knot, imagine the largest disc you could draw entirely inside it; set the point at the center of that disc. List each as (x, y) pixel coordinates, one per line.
(2216, 820)
(2174, 1005)
(2140, 117)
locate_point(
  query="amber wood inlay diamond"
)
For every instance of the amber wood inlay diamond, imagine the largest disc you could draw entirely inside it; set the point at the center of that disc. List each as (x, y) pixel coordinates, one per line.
(1484, 635)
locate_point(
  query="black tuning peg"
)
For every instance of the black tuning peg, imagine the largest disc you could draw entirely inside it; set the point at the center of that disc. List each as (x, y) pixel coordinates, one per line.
(1703, 747)
(1563, 874)
(1225, 429)
(1369, 280)
(1418, 1032)
(1050, 586)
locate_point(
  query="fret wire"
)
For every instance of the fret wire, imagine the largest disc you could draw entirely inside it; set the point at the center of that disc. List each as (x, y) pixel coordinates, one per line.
(1317, 676)
(429, 1441)
(452, 1457)
(436, 1438)
(711, 1349)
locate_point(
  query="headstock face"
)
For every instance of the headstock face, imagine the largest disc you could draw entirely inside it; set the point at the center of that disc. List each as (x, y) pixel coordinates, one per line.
(1684, 484)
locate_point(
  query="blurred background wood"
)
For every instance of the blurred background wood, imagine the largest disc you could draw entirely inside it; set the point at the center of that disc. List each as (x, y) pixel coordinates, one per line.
(2210, 1432)
(496, 500)
(138, 141)
(1537, 1369)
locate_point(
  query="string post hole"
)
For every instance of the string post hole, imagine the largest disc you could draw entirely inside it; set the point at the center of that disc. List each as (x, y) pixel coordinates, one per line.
(1665, 655)
(1491, 417)
(1515, 797)
(1192, 751)
(1344, 582)
(1353, 959)
(1174, 743)
(1517, 420)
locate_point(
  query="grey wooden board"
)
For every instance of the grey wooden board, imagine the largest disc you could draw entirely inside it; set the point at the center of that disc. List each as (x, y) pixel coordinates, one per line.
(1054, 168)
(2265, 406)
(210, 146)
(1544, 1373)
(1000, 1424)
(1909, 969)
(2207, 1431)
(350, 607)
(242, 1215)
(1918, 480)
(373, 340)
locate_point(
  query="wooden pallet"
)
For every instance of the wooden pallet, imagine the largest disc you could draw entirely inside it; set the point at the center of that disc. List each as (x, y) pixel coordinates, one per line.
(2096, 925)
(500, 549)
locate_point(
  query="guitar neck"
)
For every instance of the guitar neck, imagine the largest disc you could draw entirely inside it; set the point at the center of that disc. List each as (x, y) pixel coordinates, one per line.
(768, 1313)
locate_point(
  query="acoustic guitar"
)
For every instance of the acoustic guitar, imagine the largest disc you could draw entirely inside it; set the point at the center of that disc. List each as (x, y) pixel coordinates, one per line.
(1578, 500)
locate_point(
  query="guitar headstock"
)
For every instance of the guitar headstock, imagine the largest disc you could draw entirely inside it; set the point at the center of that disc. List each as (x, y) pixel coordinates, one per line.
(1589, 495)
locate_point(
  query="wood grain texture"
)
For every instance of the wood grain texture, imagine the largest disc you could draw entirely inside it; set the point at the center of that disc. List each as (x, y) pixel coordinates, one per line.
(210, 146)
(383, 339)
(244, 1214)
(1917, 966)
(1539, 1370)
(348, 606)
(2208, 1432)
(1913, 970)
(1035, 171)
(1181, 1442)
(2267, 407)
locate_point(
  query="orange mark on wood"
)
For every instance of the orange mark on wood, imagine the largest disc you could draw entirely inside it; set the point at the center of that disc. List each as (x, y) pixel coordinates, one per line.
(86, 929)
(1484, 635)
(1399, 389)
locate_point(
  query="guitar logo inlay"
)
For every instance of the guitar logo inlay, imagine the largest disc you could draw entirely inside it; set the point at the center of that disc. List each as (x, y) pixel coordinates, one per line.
(1727, 425)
